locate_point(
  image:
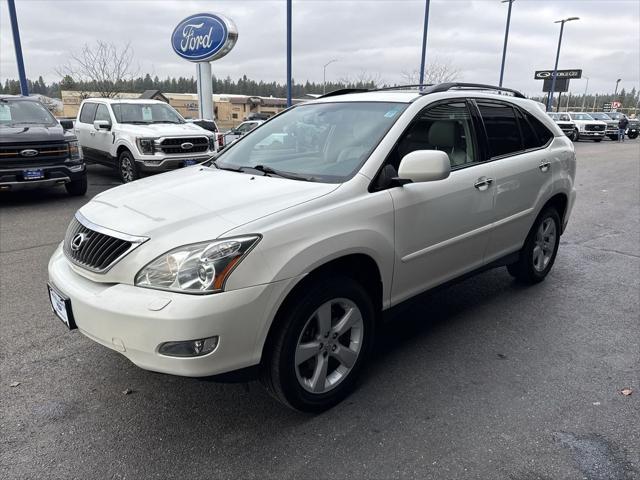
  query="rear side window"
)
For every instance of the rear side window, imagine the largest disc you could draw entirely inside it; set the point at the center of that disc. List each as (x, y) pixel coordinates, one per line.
(502, 128)
(88, 112)
(529, 137)
(543, 133)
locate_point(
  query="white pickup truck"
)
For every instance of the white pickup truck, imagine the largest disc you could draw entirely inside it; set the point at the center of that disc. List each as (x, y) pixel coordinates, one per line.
(137, 136)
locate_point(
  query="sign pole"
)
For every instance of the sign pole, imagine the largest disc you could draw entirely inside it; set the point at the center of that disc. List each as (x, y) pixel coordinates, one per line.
(205, 91)
(24, 88)
(288, 53)
(424, 41)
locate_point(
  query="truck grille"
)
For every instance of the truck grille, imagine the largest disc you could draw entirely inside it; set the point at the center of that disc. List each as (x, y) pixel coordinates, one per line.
(96, 250)
(176, 145)
(594, 128)
(22, 154)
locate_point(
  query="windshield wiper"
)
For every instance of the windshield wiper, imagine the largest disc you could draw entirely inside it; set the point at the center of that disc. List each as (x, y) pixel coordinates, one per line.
(163, 121)
(268, 171)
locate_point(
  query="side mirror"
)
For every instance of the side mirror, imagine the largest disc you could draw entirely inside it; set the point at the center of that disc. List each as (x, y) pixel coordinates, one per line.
(424, 166)
(67, 124)
(102, 125)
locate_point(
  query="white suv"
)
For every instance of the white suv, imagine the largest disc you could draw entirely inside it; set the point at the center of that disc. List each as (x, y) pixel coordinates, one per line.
(137, 136)
(282, 253)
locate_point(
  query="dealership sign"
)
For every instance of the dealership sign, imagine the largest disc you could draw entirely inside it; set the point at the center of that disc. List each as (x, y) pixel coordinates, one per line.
(543, 74)
(204, 37)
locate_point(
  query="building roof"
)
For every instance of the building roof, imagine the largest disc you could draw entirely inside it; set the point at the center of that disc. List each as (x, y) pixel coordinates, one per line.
(153, 95)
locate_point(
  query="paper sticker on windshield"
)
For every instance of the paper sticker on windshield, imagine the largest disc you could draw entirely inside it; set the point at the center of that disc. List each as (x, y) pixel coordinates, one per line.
(146, 114)
(391, 113)
(5, 113)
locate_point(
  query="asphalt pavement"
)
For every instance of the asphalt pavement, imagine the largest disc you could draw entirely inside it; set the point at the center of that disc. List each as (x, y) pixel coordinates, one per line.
(486, 379)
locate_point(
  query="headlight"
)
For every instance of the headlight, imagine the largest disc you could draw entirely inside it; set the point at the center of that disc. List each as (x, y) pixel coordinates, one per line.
(212, 143)
(146, 145)
(199, 268)
(75, 153)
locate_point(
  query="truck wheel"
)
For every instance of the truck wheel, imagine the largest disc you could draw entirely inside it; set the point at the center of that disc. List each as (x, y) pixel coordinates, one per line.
(613, 137)
(314, 357)
(127, 167)
(597, 140)
(574, 135)
(632, 135)
(77, 188)
(540, 248)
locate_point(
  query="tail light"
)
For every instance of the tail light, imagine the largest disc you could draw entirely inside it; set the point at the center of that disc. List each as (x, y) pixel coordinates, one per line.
(220, 140)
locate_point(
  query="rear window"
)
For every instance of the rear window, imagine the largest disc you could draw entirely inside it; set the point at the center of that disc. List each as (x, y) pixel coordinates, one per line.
(502, 128)
(88, 112)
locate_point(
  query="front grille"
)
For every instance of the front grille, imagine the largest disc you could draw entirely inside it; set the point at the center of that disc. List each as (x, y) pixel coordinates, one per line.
(174, 145)
(47, 153)
(94, 250)
(594, 128)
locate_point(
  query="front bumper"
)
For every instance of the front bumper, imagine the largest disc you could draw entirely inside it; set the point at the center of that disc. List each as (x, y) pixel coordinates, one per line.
(135, 321)
(12, 179)
(157, 163)
(590, 133)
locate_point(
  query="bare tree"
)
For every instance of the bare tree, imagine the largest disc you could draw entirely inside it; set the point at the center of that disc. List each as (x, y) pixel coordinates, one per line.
(103, 68)
(435, 72)
(363, 79)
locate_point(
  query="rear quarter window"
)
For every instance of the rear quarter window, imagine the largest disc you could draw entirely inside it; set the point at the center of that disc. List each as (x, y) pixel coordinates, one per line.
(502, 128)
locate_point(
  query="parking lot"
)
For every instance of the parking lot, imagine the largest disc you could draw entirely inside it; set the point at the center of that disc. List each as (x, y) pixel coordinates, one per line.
(485, 379)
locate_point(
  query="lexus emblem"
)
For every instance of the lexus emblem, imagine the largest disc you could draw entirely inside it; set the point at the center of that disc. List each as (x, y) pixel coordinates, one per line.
(29, 152)
(186, 146)
(77, 241)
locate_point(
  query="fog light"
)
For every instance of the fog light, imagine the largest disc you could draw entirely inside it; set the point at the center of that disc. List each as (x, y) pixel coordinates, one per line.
(189, 348)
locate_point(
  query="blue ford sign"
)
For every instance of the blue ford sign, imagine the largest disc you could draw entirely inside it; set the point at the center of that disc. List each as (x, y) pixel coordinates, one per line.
(204, 37)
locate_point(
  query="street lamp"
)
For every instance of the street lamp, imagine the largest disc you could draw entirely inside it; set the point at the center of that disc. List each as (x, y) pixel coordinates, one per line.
(615, 94)
(506, 37)
(424, 41)
(584, 96)
(555, 69)
(324, 74)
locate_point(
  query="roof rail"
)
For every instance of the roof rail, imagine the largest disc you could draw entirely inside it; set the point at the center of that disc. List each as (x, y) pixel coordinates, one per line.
(343, 91)
(402, 87)
(445, 87)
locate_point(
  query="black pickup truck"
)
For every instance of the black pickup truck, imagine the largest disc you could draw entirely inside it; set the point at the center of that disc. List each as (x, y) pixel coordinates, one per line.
(633, 129)
(35, 149)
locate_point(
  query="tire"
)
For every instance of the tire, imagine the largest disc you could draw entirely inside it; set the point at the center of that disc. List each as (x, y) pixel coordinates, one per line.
(597, 140)
(613, 138)
(534, 263)
(127, 168)
(574, 136)
(632, 135)
(77, 188)
(292, 380)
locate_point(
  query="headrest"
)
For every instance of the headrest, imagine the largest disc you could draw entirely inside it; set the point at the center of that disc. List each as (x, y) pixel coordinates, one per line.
(442, 134)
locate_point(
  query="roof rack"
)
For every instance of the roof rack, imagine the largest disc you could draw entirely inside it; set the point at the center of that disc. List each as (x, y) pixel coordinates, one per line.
(344, 91)
(445, 87)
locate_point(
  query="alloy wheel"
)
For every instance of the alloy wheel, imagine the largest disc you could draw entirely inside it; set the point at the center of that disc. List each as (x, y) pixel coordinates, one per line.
(329, 345)
(545, 244)
(126, 169)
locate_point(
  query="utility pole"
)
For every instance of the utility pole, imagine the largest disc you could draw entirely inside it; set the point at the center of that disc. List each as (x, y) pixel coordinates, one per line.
(424, 41)
(555, 68)
(506, 38)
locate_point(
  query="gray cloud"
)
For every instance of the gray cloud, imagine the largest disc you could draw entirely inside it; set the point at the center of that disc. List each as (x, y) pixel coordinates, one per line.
(382, 38)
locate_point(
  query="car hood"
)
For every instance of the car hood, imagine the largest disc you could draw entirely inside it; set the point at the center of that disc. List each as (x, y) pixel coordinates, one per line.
(31, 133)
(164, 129)
(196, 203)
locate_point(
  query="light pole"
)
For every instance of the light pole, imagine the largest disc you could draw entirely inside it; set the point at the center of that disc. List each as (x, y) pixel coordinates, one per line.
(24, 89)
(555, 68)
(615, 94)
(424, 41)
(584, 96)
(506, 37)
(324, 74)
(288, 53)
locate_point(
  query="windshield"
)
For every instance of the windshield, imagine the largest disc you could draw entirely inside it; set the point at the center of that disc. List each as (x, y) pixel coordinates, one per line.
(145, 113)
(554, 116)
(581, 116)
(615, 116)
(600, 116)
(563, 117)
(24, 112)
(324, 142)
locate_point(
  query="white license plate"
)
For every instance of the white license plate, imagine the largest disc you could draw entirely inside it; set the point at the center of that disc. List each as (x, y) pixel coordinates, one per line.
(61, 306)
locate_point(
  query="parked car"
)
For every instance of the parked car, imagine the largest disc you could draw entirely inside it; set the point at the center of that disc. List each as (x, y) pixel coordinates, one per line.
(242, 129)
(140, 136)
(35, 149)
(634, 124)
(563, 120)
(612, 125)
(281, 261)
(588, 127)
(211, 126)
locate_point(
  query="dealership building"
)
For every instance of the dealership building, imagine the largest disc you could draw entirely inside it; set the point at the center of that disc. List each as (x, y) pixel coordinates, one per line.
(230, 110)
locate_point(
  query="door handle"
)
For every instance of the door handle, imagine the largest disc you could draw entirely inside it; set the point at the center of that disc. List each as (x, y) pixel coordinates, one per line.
(93, 134)
(544, 166)
(483, 183)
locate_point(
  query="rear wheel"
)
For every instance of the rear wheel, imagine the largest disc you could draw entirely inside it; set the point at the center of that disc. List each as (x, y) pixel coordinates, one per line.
(127, 167)
(77, 188)
(632, 135)
(318, 350)
(540, 248)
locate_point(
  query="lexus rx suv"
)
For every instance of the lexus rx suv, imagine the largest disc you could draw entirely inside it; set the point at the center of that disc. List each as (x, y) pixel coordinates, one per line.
(280, 255)
(140, 136)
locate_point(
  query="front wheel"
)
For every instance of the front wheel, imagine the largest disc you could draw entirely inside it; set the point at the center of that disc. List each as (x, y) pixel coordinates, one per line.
(320, 345)
(127, 167)
(77, 188)
(540, 248)
(597, 140)
(574, 135)
(632, 135)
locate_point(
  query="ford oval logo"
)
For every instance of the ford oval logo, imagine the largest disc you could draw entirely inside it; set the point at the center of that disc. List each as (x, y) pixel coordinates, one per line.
(204, 37)
(186, 146)
(28, 152)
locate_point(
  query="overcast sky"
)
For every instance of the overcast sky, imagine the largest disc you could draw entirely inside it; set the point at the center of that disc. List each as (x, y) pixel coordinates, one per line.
(382, 38)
